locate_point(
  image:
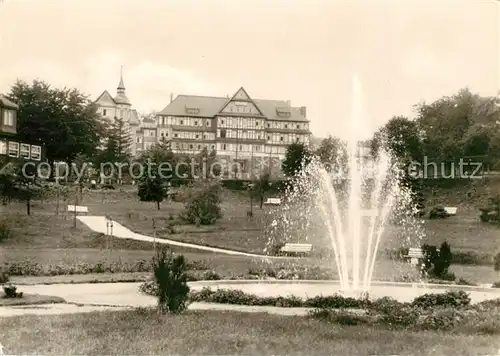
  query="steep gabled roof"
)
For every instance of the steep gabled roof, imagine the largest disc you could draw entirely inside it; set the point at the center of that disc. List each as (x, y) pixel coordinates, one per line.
(134, 117)
(105, 98)
(6, 103)
(210, 106)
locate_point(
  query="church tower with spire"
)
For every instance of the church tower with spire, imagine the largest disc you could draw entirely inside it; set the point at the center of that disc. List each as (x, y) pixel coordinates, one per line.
(119, 107)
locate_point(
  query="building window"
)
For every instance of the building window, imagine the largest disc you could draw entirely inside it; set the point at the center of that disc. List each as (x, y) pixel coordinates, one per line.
(182, 122)
(103, 112)
(24, 151)
(8, 117)
(298, 126)
(36, 153)
(223, 133)
(151, 133)
(281, 138)
(222, 122)
(3, 148)
(197, 136)
(13, 149)
(176, 135)
(223, 146)
(207, 123)
(213, 147)
(190, 147)
(162, 134)
(286, 126)
(196, 123)
(199, 147)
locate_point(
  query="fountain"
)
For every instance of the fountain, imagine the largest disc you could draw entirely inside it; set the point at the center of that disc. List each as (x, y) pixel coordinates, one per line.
(355, 199)
(352, 209)
(372, 189)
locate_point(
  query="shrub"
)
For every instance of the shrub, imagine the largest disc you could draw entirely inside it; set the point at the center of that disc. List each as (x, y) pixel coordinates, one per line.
(340, 317)
(438, 212)
(497, 262)
(4, 276)
(496, 284)
(400, 317)
(441, 319)
(385, 305)
(171, 281)
(458, 299)
(11, 291)
(5, 230)
(211, 276)
(203, 205)
(437, 262)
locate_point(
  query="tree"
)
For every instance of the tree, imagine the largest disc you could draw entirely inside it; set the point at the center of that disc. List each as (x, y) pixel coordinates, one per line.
(331, 152)
(63, 120)
(205, 168)
(154, 184)
(401, 138)
(298, 156)
(15, 185)
(261, 186)
(119, 134)
(460, 125)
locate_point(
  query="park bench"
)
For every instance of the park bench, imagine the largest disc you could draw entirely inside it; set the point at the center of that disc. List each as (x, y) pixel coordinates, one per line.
(415, 254)
(78, 209)
(450, 210)
(273, 201)
(296, 248)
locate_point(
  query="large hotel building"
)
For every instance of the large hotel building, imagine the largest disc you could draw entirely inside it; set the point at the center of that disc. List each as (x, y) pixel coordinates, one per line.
(254, 133)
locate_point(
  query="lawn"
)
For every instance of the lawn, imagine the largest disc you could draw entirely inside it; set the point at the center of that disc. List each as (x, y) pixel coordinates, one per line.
(49, 239)
(235, 230)
(142, 332)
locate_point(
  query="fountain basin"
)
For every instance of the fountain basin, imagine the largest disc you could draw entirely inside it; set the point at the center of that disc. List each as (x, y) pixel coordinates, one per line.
(402, 292)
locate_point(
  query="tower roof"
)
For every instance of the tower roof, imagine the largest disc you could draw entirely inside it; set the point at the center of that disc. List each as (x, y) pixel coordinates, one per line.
(121, 98)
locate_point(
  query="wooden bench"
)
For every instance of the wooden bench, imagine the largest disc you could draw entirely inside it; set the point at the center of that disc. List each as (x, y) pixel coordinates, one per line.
(273, 201)
(415, 254)
(450, 210)
(296, 248)
(78, 209)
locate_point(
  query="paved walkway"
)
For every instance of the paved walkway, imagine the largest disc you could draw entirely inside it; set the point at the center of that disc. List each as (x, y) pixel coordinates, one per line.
(105, 296)
(99, 224)
(89, 297)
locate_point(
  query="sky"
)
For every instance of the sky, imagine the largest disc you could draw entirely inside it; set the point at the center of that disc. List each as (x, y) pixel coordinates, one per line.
(305, 51)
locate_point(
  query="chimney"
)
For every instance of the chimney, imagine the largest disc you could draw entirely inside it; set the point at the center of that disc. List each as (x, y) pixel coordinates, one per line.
(171, 97)
(288, 103)
(303, 111)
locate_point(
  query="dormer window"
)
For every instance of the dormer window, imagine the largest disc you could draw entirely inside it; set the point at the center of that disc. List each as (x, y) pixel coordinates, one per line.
(192, 111)
(283, 112)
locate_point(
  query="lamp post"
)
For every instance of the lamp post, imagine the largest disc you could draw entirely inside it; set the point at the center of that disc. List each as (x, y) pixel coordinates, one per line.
(250, 189)
(107, 232)
(154, 236)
